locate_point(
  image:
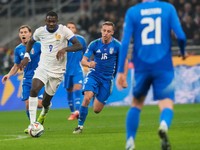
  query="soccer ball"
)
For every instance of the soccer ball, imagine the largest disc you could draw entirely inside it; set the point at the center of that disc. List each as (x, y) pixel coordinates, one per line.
(35, 129)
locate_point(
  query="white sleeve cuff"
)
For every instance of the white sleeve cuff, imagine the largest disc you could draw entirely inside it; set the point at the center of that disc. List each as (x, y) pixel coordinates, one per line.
(28, 56)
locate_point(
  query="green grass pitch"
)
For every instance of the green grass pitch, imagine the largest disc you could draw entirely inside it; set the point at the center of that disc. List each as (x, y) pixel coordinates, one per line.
(104, 131)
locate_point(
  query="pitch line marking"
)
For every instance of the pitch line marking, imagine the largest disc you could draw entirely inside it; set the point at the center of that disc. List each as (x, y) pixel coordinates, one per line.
(15, 137)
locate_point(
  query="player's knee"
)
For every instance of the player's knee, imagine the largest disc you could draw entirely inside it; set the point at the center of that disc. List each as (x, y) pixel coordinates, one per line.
(97, 111)
(34, 92)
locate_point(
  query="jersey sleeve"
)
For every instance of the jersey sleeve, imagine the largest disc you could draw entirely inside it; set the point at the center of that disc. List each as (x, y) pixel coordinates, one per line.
(127, 33)
(68, 33)
(88, 53)
(176, 27)
(36, 34)
(17, 58)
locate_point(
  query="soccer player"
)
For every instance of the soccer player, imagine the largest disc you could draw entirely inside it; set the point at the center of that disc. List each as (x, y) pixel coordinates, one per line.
(98, 82)
(73, 78)
(150, 24)
(49, 73)
(25, 34)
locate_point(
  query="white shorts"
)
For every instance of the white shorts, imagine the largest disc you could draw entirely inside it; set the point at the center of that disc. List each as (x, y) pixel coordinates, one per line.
(51, 83)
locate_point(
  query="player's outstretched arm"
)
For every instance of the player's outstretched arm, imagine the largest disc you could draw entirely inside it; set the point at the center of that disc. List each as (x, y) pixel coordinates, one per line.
(12, 71)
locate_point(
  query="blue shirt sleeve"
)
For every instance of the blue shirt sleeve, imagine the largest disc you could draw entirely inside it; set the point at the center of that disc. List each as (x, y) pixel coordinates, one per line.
(127, 33)
(88, 53)
(176, 27)
(17, 58)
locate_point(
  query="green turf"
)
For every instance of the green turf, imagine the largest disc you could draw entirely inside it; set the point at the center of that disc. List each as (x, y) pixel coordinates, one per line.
(104, 131)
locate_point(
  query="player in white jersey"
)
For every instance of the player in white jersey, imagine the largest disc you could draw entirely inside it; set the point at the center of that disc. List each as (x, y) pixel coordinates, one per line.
(54, 39)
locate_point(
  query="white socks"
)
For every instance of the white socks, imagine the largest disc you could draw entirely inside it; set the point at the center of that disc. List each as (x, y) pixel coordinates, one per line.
(33, 103)
(163, 126)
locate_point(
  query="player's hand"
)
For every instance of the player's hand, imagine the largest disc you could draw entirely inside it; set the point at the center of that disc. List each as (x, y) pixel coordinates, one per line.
(60, 54)
(5, 78)
(121, 81)
(23, 63)
(92, 64)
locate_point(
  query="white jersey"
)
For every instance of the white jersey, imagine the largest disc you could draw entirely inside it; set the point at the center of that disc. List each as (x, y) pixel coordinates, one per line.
(51, 43)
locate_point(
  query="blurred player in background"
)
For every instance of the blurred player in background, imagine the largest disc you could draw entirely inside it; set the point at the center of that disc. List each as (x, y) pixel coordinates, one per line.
(150, 23)
(49, 73)
(28, 72)
(99, 80)
(73, 78)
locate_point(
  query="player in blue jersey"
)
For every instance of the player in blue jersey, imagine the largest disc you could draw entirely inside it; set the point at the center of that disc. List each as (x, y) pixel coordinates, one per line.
(98, 82)
(24, 35)
(73, 78)
(150, 24)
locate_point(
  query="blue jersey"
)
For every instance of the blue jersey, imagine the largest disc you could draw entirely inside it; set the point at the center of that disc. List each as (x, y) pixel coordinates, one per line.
(35, 57)
(74, 58)
(105, 56)
(150, 24)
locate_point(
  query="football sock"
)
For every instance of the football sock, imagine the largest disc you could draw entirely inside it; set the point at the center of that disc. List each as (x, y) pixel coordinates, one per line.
(33, 103)
(83, 115)
(70, 101)
(167, 116)
(132, 122)
(28, 115)
(77, 98)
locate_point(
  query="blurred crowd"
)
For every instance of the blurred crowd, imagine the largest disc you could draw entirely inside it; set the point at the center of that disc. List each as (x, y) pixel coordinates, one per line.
(114, 10)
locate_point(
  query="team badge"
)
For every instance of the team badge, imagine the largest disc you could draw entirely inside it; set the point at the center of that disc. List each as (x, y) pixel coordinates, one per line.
(58, 37)
(111, 51)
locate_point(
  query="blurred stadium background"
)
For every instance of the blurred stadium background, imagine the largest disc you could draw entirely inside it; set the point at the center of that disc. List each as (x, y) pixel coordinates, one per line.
(89, 14)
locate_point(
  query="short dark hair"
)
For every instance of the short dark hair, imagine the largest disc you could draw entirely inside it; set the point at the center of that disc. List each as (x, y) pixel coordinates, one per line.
(52, 13)
(109, 23)
(25, 26)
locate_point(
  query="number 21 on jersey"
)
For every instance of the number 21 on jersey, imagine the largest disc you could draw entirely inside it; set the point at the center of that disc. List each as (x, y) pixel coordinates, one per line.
(153, 25)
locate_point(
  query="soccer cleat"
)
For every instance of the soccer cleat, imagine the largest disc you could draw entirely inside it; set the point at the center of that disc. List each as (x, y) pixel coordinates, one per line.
(26, 131)
(78, 130)
(165, 145)
(41, 119)
(130, 144)
(74, 116)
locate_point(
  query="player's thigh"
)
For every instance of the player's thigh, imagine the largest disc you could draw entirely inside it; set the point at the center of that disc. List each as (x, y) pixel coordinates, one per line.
(163, 85)
(104, 91)
(141, 85)
(41, 74)
(52, 85)
(90, 84)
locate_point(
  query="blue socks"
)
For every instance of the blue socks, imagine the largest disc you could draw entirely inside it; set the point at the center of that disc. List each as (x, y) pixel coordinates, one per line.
(70, 101)
(132, 122)
(167, 116)
(77, 99)
(83, 115)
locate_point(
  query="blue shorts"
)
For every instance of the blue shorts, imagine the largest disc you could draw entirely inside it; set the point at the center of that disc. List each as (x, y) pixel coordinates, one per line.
(101, 88)
(26, 88)
(162, 83)
(70, 80)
